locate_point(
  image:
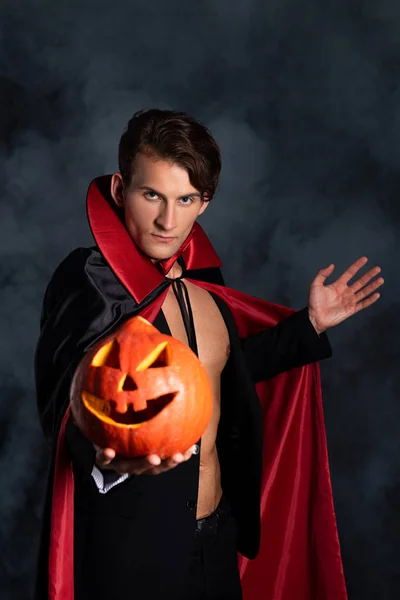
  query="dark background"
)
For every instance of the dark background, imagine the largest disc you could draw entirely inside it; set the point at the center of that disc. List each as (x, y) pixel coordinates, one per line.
(304, 99)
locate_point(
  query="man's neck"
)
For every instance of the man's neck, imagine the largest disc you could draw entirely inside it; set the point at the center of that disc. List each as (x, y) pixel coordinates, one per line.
(175, 271)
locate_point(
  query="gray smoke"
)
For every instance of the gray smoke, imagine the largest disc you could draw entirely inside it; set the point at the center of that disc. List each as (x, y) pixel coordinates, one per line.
(303, 98)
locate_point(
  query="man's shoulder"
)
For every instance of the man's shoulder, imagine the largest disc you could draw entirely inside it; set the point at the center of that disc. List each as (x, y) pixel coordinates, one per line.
(76, 260)
(78, 266)
(74, 274)
(86, 273)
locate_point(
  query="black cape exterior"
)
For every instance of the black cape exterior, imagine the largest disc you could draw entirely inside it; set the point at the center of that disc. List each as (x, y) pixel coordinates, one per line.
(90, 294)
(84, 291)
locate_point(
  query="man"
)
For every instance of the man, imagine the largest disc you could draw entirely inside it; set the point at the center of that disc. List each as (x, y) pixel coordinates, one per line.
(150, 528)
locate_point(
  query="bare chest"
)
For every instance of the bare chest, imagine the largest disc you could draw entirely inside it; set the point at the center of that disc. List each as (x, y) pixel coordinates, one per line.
(211, 332)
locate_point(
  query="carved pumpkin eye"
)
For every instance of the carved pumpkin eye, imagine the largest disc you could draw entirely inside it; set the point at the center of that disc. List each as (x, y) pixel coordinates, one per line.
(107, 356)
(143, 392)
(159, 357)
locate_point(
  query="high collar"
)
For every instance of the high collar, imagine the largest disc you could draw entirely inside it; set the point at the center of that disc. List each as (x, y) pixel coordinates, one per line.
(133, 268)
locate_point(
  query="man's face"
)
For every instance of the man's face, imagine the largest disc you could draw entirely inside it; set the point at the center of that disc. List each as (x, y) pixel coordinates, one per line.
(160, 204)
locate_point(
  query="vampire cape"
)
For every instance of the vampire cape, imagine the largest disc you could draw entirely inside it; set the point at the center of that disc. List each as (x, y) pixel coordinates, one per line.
(298, 554)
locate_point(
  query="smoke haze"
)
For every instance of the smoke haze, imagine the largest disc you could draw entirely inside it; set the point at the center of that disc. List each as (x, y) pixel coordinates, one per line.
(304, 100)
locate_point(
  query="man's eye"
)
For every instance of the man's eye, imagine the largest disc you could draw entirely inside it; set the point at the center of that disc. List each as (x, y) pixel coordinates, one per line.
(151, 195)
(187, 200)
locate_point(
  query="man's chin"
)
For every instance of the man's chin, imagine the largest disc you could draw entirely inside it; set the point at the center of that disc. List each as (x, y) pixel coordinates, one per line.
(157, 254)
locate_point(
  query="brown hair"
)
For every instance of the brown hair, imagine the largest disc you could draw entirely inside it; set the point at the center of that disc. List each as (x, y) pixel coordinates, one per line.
(174, 136)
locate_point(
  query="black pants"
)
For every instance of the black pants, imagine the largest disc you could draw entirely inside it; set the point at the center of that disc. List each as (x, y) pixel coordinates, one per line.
(214, 573)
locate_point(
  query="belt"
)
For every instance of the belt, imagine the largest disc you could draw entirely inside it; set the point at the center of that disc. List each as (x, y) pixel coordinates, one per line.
(209, 525)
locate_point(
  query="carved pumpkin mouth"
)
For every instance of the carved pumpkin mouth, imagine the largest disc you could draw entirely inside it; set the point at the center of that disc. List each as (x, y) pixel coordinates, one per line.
(107, 412)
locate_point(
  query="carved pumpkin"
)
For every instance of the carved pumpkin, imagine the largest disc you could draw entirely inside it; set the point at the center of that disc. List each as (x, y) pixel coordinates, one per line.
(141, 392)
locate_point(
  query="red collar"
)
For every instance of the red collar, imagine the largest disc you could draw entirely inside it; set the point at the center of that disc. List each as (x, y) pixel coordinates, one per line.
(132, 267)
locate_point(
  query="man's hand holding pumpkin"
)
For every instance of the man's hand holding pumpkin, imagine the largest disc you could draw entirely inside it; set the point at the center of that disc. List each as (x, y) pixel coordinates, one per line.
(106, 458)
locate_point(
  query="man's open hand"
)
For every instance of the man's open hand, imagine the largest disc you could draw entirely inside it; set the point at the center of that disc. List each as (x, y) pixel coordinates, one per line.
(144, 465)
(329, 305)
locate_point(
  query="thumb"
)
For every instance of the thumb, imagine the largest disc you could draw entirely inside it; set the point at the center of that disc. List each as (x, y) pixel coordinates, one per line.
(104, 455)
(328, 268)
(323, 274)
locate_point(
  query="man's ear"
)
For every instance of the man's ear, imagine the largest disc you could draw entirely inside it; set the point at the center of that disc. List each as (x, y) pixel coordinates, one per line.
(117, 189)
(203, 207)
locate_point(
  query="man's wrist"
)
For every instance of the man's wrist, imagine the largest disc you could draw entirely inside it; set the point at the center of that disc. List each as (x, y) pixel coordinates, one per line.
(314, 323)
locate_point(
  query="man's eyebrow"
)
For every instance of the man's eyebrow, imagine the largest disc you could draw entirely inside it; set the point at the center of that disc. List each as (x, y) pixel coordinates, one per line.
(152, 189)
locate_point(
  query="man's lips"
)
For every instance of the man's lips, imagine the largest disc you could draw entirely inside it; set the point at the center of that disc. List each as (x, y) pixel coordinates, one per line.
(163, 238)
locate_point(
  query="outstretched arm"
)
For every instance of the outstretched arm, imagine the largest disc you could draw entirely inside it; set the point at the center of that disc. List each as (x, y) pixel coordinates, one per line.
(292, 343)
(300, 339)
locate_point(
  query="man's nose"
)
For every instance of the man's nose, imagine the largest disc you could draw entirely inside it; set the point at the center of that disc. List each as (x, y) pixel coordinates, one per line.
(167, 218)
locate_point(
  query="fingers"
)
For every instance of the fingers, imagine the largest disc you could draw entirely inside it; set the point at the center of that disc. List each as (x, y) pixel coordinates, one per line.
(349, 273)
(135, 466)
(104, 456)
(153, 459)
(173, 461)
(365, 279)
(106, 459)
(192, 450)
(353, 269)
(145, 465)
(367, 302)
(359, 287)
(151, 464)
(366, 291)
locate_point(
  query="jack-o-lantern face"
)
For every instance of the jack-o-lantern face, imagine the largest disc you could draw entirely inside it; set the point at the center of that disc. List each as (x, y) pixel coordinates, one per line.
(141, 392)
